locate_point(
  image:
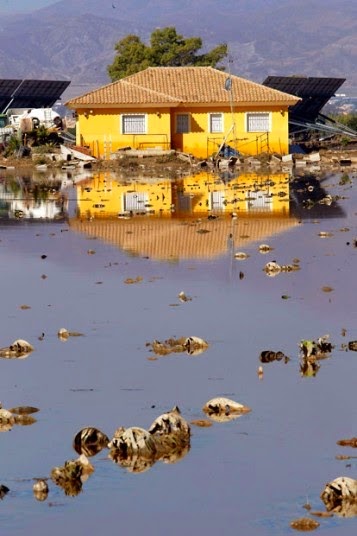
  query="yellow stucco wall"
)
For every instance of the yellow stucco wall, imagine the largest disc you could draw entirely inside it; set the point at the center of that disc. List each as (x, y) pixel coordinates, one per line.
(100, 131)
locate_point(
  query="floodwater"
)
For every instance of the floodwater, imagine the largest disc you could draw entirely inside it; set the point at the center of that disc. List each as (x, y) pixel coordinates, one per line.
(107, 258)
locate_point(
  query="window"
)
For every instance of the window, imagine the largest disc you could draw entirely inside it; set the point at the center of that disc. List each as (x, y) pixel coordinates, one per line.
(258, 122)
(182, 123)
(216, 122)
(136, 201)
(133, 124)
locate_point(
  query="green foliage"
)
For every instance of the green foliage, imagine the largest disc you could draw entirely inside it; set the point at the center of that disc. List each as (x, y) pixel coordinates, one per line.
(167, 49)
(350, 120)
(12, 146)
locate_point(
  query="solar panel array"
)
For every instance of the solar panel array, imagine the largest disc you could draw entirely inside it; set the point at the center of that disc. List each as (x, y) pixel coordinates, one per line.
(30, 93)
(315, 93)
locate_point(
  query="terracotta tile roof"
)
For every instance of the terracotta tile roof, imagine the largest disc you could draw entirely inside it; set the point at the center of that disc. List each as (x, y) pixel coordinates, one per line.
(122, 92)
(200, 85)
(170, 238)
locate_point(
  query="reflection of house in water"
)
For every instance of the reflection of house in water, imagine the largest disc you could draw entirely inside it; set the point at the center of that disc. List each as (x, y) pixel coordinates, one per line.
(191, 217)
(22, 198)
(204, 193)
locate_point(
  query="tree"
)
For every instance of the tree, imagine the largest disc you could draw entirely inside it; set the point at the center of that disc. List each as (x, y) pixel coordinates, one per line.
(167, 49)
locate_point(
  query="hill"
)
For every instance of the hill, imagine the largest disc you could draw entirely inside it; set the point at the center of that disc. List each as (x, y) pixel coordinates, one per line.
(74, 39)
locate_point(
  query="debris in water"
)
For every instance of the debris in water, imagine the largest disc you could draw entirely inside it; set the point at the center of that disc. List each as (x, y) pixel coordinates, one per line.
(183, 297)
(190, 345)
(319, 349)
(64, 334)
(348, 442)
(18, 349)
(222, 409)
(267, 356)
(40, 489)
(90, 441)
(132, 281)
(3, 491)
(352, 345)
(265, 248)
(72, 474)
(202, 423)
(240, 255)
(340, 496)
(304, 524)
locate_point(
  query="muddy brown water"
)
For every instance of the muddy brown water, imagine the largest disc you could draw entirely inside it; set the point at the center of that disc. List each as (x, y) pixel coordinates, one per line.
(251, 475)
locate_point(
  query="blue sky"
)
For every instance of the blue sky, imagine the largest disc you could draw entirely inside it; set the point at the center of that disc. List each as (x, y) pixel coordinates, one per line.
(18, 6)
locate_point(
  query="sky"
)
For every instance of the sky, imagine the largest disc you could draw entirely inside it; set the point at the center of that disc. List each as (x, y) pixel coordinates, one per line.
(18, 6)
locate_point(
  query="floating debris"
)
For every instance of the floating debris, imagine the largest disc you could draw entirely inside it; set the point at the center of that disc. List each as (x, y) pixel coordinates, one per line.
(267, 356)
(348, 442)
(265, 248)
(19, 349)
(90, 441)
(340, 496)
(171, 434)
(3, 491)
(24, 420)
(272, 268)
(352, 345)
(319, 349)
(133, 281)
(321, 513)
(64, 334)
(325, 234)
(201, 423)
(24, 410)
(7, 420)
(327, 289)
(304, 524)
(40, 489)
(134, 440)
(71, 476)
(222, 409)
(241, 256)
(183, 297)
(24, 307)
(190, 345)
(309, 367)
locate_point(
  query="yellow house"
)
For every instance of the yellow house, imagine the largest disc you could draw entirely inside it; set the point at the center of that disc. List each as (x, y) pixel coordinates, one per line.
(189, 109)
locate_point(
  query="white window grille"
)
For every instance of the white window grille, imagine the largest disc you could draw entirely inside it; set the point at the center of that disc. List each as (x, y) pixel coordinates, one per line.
(182, 123)
(258, 122)
(136, 201)
(216, 122)
(133, 124)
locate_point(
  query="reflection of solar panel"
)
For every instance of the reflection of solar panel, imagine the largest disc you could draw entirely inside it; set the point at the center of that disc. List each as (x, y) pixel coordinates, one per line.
(30, 93)
(314, 92)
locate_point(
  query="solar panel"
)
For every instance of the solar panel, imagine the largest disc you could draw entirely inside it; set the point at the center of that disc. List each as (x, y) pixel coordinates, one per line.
(314, 93)
(30, 93)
